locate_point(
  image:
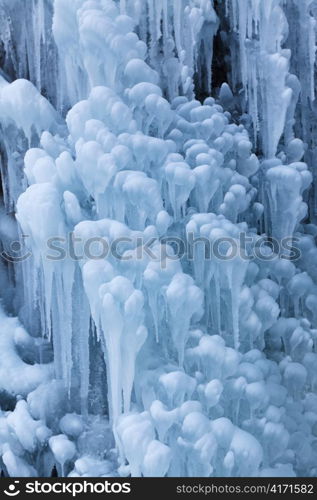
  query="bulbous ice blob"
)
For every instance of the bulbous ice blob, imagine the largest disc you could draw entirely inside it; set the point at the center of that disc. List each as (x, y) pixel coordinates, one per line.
(157, 459)
(213, 391)
(16, 466)
(185, 302)
(71, 425)
(137, 71)
(62, 448)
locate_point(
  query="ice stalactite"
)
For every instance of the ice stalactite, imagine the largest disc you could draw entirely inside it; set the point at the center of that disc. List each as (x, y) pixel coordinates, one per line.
(262, 29)
(181, 40)
(286, 184)
(302, 42)
(28, 47)
(277, 40)
(25, 114)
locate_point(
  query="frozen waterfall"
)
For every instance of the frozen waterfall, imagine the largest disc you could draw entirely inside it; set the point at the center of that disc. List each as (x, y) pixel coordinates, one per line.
(158, 223)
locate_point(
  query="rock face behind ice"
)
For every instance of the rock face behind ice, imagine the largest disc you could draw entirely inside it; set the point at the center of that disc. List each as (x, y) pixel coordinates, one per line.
(205, 365)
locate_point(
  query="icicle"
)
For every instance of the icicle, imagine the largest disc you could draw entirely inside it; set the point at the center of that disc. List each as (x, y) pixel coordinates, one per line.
(312, 54)
(123, 7)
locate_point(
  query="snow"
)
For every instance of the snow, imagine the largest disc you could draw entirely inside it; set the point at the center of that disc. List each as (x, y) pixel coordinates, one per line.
(18, 377)
(152, 331)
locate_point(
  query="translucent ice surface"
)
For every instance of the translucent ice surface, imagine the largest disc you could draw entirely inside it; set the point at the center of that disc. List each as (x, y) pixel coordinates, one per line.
(158, 271)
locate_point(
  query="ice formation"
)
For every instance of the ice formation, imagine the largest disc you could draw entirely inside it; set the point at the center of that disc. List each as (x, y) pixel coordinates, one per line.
(120, 127)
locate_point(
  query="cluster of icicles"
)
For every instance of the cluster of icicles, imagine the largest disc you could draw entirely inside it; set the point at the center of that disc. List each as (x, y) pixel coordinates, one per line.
(211, 365)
